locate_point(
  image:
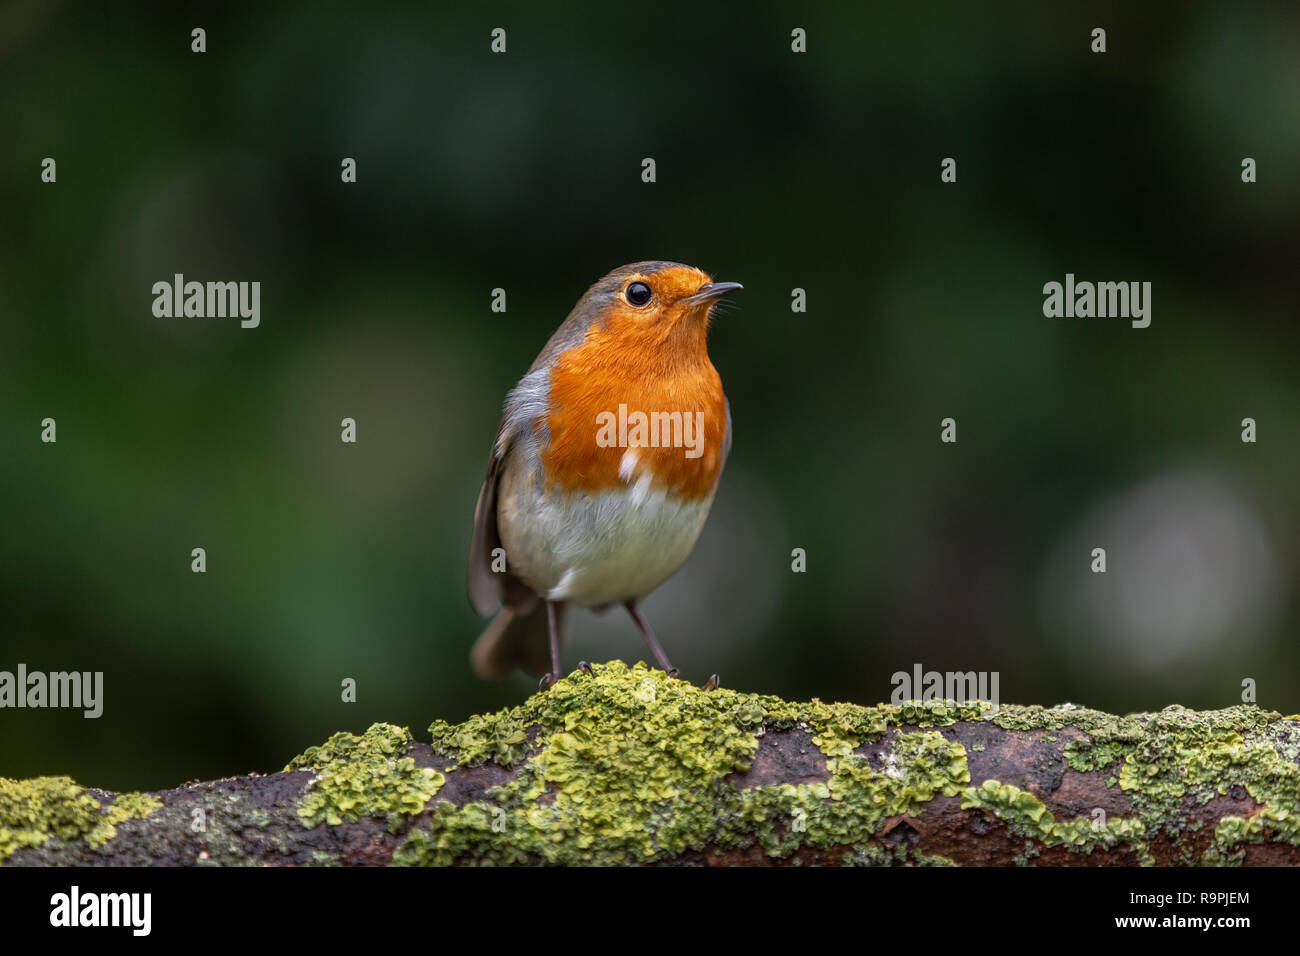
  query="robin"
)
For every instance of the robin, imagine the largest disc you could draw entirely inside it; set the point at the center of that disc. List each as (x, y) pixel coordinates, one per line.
(604, 468)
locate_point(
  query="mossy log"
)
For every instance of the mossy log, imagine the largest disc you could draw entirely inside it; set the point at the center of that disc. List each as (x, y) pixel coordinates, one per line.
(630, 766)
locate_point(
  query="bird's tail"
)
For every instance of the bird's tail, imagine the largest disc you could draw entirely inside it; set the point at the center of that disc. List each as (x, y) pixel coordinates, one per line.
(515, 640)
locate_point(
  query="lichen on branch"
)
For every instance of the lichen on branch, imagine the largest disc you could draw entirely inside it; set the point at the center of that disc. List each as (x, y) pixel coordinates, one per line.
(630, 766)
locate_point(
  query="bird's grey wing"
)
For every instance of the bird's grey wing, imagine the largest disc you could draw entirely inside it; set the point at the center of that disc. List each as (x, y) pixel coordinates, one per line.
(486, 588)
(726, 436)
(516, 436)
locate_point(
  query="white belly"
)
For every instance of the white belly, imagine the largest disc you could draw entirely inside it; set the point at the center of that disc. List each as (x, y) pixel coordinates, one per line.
(600, 548)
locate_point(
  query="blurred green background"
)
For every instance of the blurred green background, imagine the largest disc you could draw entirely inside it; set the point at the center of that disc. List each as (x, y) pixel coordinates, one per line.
(522, 171)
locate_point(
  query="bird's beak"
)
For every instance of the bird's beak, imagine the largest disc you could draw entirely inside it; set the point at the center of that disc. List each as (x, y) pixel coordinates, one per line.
(713, 290)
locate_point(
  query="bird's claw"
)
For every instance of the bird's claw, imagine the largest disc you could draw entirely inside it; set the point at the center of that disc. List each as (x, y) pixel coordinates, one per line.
(713, 683)
(586, 668)
(546, 682)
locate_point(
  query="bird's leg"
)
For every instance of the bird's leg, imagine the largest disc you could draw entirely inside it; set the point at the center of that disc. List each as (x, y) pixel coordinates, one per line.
(650, 639)
(553, 625)
(712, 683)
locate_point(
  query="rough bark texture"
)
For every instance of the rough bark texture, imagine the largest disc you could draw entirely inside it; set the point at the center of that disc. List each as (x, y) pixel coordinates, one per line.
(632, 767)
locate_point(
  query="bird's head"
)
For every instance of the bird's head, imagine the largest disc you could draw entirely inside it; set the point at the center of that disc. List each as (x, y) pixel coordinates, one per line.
(656, 305)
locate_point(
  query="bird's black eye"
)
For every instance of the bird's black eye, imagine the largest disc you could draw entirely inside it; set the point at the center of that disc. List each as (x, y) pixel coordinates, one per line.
(638, 293)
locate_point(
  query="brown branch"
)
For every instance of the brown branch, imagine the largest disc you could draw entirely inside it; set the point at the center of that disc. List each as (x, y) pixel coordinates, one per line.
(631, 766)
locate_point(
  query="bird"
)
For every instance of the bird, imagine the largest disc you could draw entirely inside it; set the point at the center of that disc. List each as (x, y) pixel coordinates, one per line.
(604, 467)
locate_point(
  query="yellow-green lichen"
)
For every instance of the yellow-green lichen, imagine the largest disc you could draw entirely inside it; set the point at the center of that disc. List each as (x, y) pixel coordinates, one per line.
(631, 766)
(628, 768)
(34, 811)
(853, 805)
(1231, 836)
(1027, 816)
(484, 737)
(132, 806)
(1177, 758)
(920, 766)
(380, 741)
(876, 855)
(1085, 755)
(1190, 757)
(366, 776)
(1101, 727)
(937, 713)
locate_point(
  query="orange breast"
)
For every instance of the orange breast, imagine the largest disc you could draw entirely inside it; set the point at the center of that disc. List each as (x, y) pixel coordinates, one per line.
(665, 383)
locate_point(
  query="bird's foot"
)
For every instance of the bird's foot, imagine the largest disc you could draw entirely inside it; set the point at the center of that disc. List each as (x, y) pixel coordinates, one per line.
(586, 668)
(546, 682)
(713, 683)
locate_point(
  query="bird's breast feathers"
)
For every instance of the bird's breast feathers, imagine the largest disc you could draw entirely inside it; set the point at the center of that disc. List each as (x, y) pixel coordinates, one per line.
(608, 476)
(611, 424)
